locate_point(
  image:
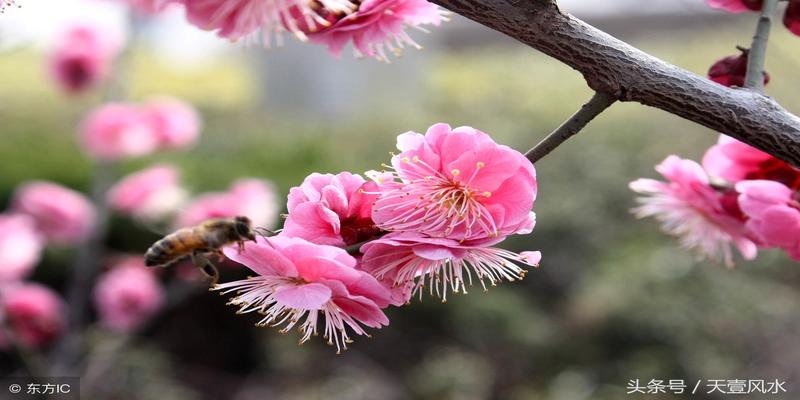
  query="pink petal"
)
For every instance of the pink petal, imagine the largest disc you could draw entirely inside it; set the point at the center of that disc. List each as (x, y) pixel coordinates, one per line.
(310, 296)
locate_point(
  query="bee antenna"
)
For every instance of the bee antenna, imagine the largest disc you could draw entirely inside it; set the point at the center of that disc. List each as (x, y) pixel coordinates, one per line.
(264, 232)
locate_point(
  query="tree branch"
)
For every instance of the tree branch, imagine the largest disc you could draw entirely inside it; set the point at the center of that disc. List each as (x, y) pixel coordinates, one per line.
(596, 105)
(628, 74)
(757, 56)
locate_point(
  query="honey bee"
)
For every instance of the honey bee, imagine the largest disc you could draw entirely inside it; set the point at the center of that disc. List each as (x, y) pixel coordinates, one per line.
(200, 242)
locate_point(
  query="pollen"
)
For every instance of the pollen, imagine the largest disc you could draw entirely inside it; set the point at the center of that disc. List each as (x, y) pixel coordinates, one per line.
(406, 160)
(416, 159)
(455, 172)
(479, 164)
(487, 194)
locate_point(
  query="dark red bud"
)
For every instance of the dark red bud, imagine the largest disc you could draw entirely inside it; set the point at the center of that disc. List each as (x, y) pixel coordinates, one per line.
(792, 17)
(754, 5)
(731, 71)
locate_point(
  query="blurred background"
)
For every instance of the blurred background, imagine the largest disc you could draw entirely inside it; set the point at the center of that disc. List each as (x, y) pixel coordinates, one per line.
(613, 300)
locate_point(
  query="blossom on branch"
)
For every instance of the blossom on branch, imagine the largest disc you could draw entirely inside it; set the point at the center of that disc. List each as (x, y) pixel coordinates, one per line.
(34, 314)
(300, 282)
(691, 209)
(62, 215)
(20, 247)
(150, 194)
(332, 209)
(773, 213)
(735, 161)
(127, 295)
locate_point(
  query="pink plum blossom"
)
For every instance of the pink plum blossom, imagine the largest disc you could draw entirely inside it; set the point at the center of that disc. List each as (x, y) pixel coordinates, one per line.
(81, 58)
(773, 214)
(378, 27)
(118, 130)
(236, 19)
(736, 6)
(63, 215)
(457, 183)
(299, 281)
(20, 247)
(332, 209)
(176, 123)
(127, 295)
(150, 6)
(34, 314)
(252, 198)
(734, 161)
(689, 208)
(150, 194)
(443, 264)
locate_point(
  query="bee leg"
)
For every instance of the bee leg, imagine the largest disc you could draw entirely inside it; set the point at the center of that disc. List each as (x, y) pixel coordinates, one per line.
(201, 261)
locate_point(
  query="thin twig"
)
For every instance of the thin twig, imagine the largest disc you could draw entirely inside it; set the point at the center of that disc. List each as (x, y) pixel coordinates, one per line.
(596, 105)
(758, 50)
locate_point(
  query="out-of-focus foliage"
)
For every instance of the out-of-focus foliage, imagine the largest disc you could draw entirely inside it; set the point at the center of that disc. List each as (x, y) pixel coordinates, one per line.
(614, 299)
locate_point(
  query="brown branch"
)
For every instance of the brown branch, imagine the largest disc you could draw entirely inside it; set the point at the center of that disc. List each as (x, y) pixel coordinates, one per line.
(596, 105)
(628, 74)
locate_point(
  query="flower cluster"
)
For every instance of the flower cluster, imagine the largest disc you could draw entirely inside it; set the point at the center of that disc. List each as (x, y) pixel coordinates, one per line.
(739, 197)
(374, 27)
(791, 18)
(351, 247)
(122, 130)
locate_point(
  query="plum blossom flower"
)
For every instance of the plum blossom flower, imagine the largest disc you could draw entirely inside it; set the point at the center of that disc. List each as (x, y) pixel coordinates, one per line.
(82, 58)
(332, 209)
(34, 314)
(731, 71)
(773, 214)
(127, 295)
(253, 198)
(176, 123)
(689, 208)
(118, 130)
(150, 194)
(63, 215)
(791, 19)
(20, 247)
(150, 6)
(736, 6)
(410, 261)
(298, 282)
(378, 26)
(236, 19)
(734, 161)
(457, 183)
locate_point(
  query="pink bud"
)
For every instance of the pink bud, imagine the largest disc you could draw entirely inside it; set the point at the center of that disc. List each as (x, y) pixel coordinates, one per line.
(82, 58)
(63, 215)
(150, 194)
(127, 295)
(34, 313)
(731, 71)
(792, 17)
(20, 247)
(736, 6)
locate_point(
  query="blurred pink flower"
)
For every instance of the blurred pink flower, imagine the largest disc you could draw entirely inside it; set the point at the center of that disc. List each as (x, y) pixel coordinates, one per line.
(151, 194)
(63, 215)
(82, 57)
(457, 183)
(773, 212)
(127, 295)
(176, 123)
(150, 6)
(736, 6)
(33, 313)
(298, 280)
(117, 130)
(377, 26)
(236, 19)
(689, 208)
(442, 264)
(734, 161)
(331, 209)
(252, 198)
(20, 247)
(792, 17)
